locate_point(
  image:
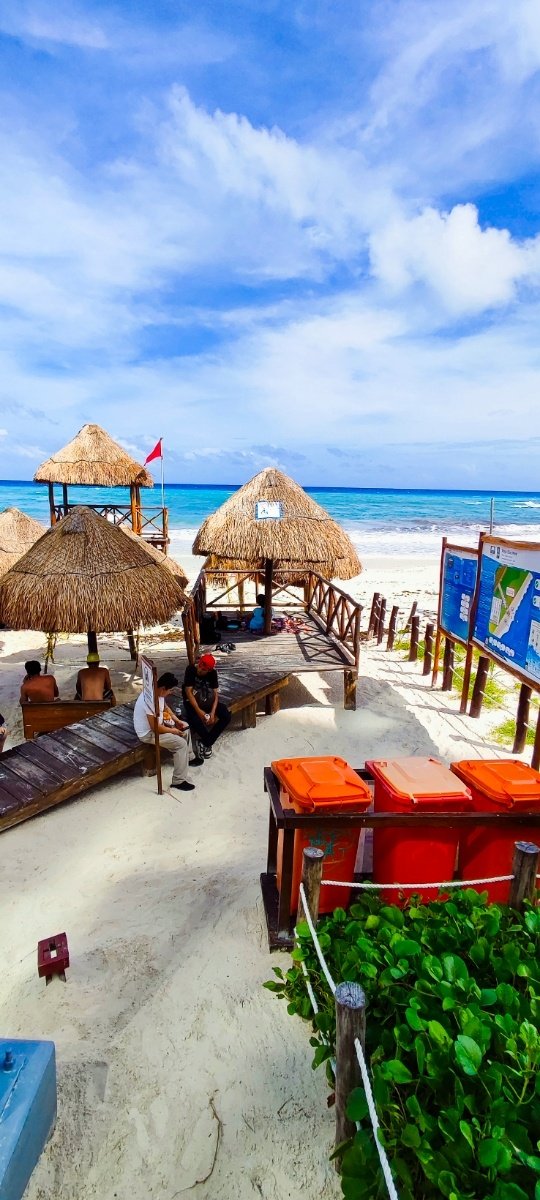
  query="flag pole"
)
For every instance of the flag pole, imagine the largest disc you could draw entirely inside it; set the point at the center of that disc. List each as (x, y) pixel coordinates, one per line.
(162, 479)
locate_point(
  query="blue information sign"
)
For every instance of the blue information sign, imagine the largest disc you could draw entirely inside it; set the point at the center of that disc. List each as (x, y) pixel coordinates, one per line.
(459, 571)
(507, 621)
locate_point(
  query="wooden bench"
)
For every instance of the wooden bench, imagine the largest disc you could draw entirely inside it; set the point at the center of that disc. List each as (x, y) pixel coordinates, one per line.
(242, 690)
(46, 716)
(247, 705)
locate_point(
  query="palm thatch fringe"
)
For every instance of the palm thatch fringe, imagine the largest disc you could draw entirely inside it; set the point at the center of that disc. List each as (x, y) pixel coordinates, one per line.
(86, 574)
(304, 536)
(18, 532)
(93, 459)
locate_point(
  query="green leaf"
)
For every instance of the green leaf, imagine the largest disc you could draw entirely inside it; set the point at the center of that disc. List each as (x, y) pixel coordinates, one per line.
(396, 1071)
(412, 1019)
(357, 1105)
(410, 1136)
(405, 948)
(467, 1133)
(432, 966)
(454, 968)
(468, 1054)
(488, 1152)
(273, 985)
(420, 1047)
(488, 996)
(438, 1033)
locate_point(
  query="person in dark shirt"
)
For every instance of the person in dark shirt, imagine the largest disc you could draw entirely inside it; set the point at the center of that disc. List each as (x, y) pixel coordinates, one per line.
(205, 713)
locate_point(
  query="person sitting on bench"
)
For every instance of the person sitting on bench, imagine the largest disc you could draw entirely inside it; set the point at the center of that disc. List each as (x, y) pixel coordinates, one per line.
(205, 713)
(173, 734)
(94, 681)
(37, 687)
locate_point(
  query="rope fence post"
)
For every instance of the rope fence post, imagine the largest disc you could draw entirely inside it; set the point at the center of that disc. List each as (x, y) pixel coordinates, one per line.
(412, 613)
(525, 868)
(448, 666)
(392, 627)
(428, 649)
(374, 606)
(312, 865)
(479, 686)
(350, 1024)
(522, 719)
(415, 631)
(380, 622)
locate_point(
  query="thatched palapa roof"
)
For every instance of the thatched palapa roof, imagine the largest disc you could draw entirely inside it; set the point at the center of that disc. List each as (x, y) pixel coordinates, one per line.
(85, 574)
(93, 459)
(18, 532)
(170, 563)
(304, 536)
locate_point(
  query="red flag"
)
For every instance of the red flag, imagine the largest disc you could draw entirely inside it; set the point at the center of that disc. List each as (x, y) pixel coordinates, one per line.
(155, 453)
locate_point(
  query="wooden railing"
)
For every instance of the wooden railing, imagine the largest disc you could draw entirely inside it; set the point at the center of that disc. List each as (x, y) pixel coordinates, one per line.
(337, 613)
(152, 524)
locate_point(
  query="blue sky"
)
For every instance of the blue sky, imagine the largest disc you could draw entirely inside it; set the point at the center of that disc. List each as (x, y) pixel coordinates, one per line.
(295, 233)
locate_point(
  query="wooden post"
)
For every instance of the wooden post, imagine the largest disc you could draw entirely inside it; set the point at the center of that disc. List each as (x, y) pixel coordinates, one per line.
(374, 609)
(65, 498)
(165, 529)
(350, 1024)
(241, 598)
(522, 719)
(349, 689)
(92, 642)
(448, 666)
(436, 654)
(428, 649)
(312, 867)
(525, 870)
(415, 630)
(380, 622)
(479, 686)
(133, 507)
(535, 760)
(392, 627)
(412, 614)
(132, 646)
(51, 504)
(138, 518)
(268, 570)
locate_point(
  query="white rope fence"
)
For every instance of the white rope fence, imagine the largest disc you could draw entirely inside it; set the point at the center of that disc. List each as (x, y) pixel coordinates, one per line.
(385, 1165)
(408, 887)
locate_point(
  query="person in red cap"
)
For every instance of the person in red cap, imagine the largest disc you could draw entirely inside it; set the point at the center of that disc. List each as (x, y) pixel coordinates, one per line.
(205, 713)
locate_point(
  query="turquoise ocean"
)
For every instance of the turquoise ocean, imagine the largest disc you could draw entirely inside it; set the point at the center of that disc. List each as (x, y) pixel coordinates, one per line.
(379, 521)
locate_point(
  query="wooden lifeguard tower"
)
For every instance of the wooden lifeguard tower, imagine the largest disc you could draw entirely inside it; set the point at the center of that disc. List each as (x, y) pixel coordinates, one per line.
(94, 459)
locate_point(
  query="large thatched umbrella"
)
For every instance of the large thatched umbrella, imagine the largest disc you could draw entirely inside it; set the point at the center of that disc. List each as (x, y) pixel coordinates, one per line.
(297, 534)
(94, 459)
(170, 564)
(85, 576)
(18, 532)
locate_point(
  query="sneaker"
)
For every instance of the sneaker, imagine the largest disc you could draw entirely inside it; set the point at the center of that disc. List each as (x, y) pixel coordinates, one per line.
(206, 751)
(184, 786)
(196, 762)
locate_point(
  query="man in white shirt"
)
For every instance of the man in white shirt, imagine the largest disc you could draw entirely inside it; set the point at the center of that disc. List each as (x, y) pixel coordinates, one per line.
(174, 734)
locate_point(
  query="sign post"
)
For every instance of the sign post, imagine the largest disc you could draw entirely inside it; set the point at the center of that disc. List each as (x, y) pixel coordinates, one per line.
(149, 682)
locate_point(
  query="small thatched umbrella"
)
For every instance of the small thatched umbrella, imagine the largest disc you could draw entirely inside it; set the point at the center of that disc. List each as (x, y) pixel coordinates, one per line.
(93, 459)
(298, 533)
(85, 576)
(18, 532)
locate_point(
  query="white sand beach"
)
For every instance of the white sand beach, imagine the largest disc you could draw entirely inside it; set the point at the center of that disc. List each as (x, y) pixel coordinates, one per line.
(178, 1073)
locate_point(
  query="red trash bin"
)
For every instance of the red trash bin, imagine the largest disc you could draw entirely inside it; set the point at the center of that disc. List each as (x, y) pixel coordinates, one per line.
(322, 786)
(497, 785)
(404, 854)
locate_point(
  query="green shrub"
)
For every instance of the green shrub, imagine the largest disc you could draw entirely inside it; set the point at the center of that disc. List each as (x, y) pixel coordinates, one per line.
(453, 1042)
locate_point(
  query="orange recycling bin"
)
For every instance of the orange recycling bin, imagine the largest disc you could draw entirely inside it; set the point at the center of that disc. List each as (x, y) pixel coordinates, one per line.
(497, 785)
(404, 854)
(323, 787)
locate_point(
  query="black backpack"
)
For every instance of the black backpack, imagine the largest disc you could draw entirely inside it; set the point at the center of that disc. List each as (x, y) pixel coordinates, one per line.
(207, 629)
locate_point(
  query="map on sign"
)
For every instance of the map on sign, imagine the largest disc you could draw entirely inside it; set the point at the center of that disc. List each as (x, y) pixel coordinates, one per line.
(508, 612)
(459, 570)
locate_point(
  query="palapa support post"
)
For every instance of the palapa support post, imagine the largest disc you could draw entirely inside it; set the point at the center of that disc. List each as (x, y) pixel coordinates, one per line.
(132, 645)
(428, 649)
(51, 504)
(522, 719)
(479, 686)
(374, 609)
(415, 631)
(312, 868)
(92, 642)
(65, 499)
(268, 572)
(525, 869)
(133, 506)
(241, 598)
(380, 622)
(448, 666)
(350, 1024)
(138, 517)
(392, 627)
(349, 689)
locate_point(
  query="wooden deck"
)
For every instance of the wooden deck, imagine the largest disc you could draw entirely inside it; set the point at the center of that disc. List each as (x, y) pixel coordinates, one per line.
(36, 775)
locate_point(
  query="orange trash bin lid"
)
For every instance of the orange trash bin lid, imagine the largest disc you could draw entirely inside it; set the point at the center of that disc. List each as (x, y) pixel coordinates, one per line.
(322, 783)
(422, 782)
(502, 780)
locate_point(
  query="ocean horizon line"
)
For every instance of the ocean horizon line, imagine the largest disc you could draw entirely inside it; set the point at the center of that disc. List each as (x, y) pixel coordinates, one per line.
(308, 487)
